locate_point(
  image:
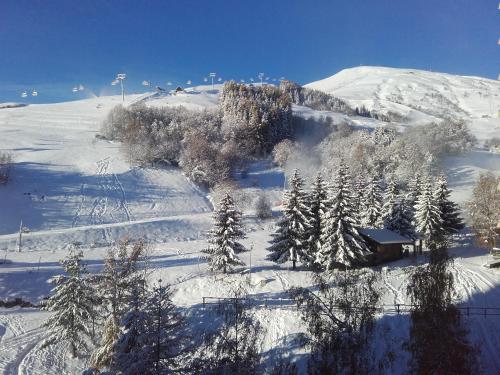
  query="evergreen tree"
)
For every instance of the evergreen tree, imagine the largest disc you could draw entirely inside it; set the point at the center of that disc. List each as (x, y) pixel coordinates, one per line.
(318, 206)
(450, 217)
(224, 246)
(358, 197)
(123, 274)
(151, 340)
(341, 242)
(72, 303)
(428, 222)
(291, 242)
(371, 215)
(390, 200)
(400, 219)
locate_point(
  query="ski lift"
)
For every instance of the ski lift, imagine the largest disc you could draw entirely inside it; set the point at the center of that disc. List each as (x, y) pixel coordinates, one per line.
(75, 89)
(114, 83)
(24, 94)
(34, 93)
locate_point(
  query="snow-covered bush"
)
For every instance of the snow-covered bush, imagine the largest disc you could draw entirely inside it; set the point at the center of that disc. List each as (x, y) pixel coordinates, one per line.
(263, 207)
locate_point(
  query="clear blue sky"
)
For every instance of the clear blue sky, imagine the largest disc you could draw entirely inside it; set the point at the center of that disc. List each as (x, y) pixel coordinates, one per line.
(53, 45)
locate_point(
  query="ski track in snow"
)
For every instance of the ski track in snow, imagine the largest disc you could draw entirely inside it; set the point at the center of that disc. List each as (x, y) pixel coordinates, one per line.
(109, 205)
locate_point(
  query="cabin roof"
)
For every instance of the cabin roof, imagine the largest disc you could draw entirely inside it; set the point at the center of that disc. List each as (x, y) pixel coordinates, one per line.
(384, 236)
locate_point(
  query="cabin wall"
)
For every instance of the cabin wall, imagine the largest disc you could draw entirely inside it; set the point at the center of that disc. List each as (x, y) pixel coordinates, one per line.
(388, 252)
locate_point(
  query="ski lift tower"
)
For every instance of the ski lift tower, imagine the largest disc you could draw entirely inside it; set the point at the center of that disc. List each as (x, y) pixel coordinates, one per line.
(261, 77)
(120, 77)
(212, 75)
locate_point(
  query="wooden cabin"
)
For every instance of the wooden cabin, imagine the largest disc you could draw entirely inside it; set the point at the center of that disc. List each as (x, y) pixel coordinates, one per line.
(385, 244)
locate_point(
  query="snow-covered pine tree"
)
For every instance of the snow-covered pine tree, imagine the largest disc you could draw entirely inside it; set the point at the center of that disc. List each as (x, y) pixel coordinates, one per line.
(124, 271)
(72, 303)
(318, 206)
(341, 243)
(291, 242)
(401, 218)
(358, 190)
(151, 339)
(389, 200)
(371, 214)
(224, 245)
(413, 188)
(130, 351)
(428, 223)
(450, 215)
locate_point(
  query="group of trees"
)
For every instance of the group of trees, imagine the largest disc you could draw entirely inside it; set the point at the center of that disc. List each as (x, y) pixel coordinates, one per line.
(128, 326)
(320, 228)
(207, 145)
(387, 152)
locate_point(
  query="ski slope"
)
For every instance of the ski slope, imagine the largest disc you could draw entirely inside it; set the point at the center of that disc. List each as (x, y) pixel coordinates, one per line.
(420, 96)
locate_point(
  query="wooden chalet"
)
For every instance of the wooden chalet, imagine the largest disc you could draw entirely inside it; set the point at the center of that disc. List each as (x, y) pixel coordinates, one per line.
(385, 244)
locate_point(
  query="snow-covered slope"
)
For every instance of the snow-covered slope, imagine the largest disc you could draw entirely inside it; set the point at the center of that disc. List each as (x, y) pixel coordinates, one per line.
(420, 96)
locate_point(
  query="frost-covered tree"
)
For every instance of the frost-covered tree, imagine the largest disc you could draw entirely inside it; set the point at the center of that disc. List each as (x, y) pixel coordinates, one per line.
(318, 206)
(291, 242)
(401, 217)
(224, 245)
(428, 222)
(371, 214)
(389, 200)
(123, 273)
(484, 208)
(72, 303)
(450, 213)
(151, 339)
(341, 243)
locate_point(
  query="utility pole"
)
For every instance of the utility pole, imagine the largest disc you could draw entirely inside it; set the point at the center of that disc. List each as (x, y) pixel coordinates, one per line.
(20, 236)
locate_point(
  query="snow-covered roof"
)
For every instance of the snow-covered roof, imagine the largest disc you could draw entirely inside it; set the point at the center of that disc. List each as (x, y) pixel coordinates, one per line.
(384, 236)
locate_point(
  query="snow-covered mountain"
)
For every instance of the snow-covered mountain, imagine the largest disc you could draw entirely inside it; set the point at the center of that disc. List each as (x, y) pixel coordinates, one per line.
(419, 96)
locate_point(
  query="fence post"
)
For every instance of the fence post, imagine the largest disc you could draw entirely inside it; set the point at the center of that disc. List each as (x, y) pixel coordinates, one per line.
(397, 308)
(203, 302)
(467, 310)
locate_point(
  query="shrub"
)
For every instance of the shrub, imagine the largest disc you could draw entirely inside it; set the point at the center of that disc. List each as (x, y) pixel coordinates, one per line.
(263, 207)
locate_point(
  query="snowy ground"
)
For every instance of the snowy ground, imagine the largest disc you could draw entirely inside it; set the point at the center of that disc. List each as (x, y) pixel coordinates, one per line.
(68, 187)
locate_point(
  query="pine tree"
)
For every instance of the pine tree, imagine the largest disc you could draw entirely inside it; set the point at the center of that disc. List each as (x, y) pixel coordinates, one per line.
(450, 217)
(123, 274)
(427, 218)
(401, 217)
(341, 242)
(227, 230)
(358, 191)
(72, 303)
(291, 242)
(390, 200)
(371, 215)
(151, 340)
(318, 207)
